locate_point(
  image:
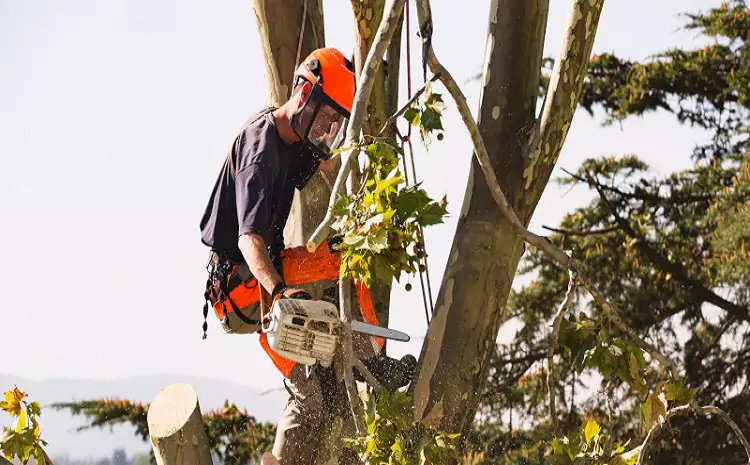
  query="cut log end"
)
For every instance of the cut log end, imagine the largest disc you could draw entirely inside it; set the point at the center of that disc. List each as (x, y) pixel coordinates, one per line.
(171, 409)
(175, 425)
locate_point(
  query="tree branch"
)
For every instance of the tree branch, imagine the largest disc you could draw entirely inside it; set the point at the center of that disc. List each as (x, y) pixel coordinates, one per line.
(483, 160)
(673, 199)
(532, 357)
(685, 409)
(359, 109)
(345, 314)
(680, 274)
(592, 232)
(564, 90)
(392, 119)
(569, 295)
(365, 372)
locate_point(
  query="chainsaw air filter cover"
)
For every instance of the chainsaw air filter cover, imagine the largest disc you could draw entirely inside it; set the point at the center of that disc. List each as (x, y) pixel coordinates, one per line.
(303, 330)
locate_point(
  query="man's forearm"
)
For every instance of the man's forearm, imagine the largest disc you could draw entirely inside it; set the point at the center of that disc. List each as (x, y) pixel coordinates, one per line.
(253, 249)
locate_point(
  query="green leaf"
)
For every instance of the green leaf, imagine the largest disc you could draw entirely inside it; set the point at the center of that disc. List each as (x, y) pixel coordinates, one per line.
(431, 120)
(679, 393)
(592, 429)
(636, 380)
(411, 199)
(412, 116)
(434, 213)
(34, 409)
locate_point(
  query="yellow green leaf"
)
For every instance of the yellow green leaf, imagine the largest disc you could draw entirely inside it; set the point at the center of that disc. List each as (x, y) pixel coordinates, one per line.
(35, 430)
(634, 371)
(654, 409)
(592, 429)
(679, 393)
(21, 421)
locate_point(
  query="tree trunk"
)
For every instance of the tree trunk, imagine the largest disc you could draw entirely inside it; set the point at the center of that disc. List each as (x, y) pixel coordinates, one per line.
(522, 153)
(279, 24)
(175, 426)
(486, 250)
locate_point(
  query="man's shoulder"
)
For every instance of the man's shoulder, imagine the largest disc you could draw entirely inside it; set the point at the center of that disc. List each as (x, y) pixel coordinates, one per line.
(260, 125)
(259, 141)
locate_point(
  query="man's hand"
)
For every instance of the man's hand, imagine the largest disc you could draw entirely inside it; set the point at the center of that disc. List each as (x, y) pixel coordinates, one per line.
(280, 291)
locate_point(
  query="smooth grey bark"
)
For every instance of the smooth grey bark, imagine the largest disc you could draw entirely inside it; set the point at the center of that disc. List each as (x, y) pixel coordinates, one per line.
(461, 338)
(486, 249)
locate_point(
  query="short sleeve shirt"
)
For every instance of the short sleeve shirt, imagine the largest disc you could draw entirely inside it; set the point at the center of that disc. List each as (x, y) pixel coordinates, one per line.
(254, 190)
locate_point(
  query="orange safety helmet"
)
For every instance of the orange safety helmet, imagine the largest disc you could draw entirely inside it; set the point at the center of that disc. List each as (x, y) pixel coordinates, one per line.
(333, 72)
(322, 119)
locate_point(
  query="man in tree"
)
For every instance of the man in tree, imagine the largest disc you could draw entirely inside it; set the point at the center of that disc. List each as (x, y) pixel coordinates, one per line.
(276, 151)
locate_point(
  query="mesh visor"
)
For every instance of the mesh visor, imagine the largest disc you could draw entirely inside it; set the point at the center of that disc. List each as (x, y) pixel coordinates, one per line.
(322, 123)
(327, 129)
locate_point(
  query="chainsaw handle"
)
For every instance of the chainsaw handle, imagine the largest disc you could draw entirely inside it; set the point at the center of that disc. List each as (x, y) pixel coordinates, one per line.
(265, 309)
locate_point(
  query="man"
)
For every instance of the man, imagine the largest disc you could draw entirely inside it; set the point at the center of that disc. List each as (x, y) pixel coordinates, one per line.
(276, 152)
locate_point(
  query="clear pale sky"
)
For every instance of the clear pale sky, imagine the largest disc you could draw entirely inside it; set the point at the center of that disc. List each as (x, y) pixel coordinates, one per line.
(115, 117)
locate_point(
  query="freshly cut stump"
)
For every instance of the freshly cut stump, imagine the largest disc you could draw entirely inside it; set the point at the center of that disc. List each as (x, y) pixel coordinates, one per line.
(176, 427)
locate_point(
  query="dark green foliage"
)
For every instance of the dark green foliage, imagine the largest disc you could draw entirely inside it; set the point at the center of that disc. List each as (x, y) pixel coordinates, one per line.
(393, 438)
(673, 252)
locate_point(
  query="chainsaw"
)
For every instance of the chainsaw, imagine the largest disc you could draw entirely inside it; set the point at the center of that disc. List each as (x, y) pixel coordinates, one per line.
(307, 331)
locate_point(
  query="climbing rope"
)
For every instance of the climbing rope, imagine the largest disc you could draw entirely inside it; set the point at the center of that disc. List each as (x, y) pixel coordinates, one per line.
(424, 270)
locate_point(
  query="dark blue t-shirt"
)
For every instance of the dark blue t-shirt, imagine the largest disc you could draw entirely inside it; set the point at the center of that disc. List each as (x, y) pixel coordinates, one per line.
(255, 188)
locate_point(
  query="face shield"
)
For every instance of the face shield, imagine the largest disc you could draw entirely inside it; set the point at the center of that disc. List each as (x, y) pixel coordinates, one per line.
(321, 122)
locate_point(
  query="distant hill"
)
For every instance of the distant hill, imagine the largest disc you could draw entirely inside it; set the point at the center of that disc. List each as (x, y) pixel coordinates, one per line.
(58, 428)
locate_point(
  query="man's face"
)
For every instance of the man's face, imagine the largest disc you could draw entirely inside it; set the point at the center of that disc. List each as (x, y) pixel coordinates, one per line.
(319, 119)
(327, 127)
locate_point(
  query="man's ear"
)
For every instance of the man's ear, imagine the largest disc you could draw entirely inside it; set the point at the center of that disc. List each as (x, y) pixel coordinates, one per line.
(305, 88)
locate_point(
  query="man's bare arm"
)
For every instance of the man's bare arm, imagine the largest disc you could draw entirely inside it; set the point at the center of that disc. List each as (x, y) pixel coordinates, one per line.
(253, 249)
